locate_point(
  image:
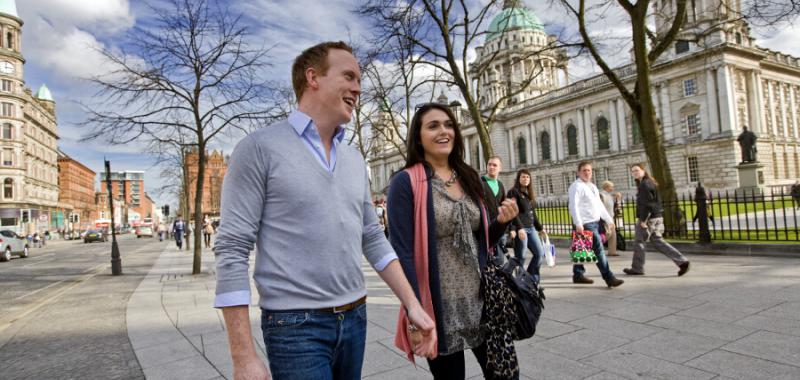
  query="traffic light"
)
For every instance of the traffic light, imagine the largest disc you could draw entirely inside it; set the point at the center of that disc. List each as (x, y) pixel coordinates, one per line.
(165, 210)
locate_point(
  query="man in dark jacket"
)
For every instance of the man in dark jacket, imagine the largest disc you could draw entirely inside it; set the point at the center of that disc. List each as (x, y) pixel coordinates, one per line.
(495, 193)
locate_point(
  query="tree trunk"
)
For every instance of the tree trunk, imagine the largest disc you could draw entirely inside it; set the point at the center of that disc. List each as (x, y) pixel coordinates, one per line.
(650, 129)
(198, 208)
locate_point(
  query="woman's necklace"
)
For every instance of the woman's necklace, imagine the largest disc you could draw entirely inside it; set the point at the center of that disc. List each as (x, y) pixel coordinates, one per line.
(452, 180)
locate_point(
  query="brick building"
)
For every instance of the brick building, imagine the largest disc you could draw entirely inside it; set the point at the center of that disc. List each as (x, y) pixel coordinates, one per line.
(128, 186)
(76, 184)
(216, 166)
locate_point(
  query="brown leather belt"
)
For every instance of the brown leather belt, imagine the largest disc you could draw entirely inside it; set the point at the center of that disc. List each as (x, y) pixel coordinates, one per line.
(343, 308)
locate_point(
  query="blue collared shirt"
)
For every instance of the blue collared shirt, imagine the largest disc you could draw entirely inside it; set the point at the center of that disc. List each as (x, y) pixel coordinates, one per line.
(308, 132)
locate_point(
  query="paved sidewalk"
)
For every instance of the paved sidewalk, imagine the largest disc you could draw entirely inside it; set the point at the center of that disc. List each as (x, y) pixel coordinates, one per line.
(729, 317)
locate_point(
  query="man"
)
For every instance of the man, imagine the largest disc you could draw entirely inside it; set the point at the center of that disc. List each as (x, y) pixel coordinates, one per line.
(178, 229)
(586, 210)
(303, 196)
(495, 193)
(795, 192)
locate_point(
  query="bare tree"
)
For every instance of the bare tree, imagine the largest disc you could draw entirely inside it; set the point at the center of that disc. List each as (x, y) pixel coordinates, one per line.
(190, 72)
(441, 35)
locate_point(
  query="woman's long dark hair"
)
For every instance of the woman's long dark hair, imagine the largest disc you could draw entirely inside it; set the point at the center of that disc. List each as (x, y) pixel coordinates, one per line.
(415, 154)
(528, 189)
(646, 174)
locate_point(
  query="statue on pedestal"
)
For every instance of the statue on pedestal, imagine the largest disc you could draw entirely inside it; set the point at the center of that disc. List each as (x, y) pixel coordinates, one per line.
(747, 141)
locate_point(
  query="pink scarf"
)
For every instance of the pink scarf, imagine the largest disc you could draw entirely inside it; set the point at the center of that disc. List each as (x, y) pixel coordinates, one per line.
(419, 189)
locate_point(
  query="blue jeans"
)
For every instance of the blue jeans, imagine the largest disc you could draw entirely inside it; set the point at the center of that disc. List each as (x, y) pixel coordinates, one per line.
(597, 246)
(535, 245)
(310, 345)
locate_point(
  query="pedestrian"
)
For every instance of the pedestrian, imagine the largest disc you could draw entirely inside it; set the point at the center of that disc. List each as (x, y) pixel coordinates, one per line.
(380, 211)
(587, 210)
(795, 192)
(178, 229)
(208, 230)
(302, 194)
(527, 238)
(494, 193)
(650, 224)
(439, 228)
(610, 202)
(161, 229)
(37, 240)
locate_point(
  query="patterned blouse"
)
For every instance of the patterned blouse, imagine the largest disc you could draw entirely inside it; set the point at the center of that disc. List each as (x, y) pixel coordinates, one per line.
(459, 272)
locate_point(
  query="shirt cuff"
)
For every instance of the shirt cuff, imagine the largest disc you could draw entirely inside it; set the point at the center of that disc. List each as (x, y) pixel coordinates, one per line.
(237, 298)
(385, 261)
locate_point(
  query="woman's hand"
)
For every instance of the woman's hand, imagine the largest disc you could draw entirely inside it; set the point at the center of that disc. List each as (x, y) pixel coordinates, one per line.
(507, 210)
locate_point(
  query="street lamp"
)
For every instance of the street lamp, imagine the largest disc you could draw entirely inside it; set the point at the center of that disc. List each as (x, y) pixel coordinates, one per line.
(116, 262)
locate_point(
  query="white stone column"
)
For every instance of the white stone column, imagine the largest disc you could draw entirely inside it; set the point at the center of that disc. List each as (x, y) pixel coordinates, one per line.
(623, 127)
(560, 138)
(553, 140)
(581, 137)
(727, 105)
(480, 156)
(587, 124)
(793, 104)
(534, 144)
(511, 152)
(771, 107)
(666, 113)
(712, 121)
(528, 144)
(754, 102)
(784, 119)
(612, 125)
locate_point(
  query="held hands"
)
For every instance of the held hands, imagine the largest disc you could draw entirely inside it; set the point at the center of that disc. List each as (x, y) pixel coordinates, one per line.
(508, 210)
(422, 332)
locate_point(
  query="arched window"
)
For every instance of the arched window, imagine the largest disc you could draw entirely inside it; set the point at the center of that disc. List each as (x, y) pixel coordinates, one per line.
(8, 188)
(635, 133)
(544, 140)
(572, 140)
(8, 131)
(602, 134)
(522, 151)
(9, 40)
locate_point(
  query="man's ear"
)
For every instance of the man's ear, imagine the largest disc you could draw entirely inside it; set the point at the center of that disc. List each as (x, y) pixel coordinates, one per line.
(311, 78)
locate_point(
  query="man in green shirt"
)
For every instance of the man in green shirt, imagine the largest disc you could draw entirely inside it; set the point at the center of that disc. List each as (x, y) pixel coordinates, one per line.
(495, 193)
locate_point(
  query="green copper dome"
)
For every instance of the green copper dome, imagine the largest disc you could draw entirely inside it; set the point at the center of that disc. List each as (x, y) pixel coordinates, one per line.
(513, 17)
(9, 7)
(44, 93)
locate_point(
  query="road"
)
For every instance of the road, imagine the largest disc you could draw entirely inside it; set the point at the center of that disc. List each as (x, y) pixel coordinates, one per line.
(64, 313)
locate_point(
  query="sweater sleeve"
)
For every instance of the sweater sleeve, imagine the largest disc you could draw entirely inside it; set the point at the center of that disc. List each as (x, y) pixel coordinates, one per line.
(400, 203)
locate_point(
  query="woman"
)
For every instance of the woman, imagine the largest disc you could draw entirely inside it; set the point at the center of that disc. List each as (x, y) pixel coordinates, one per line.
(650, 224)
(208, 230)
(609, 201)
(438, 228)
(522, 192)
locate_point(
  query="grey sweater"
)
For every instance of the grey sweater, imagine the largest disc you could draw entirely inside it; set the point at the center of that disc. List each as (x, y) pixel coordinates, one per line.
(310, 226)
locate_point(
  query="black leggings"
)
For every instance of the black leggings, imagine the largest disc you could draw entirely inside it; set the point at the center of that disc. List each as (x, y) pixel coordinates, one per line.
(207, 238)
(451, 367)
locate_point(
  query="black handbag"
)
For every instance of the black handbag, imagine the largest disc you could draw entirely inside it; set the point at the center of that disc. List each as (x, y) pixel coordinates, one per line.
(621, 244)
(528, 298)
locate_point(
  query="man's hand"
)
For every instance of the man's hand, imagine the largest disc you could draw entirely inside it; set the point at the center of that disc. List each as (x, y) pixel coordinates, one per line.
(420, 319)
(610, 227)
(508, 210)
(579, 229)
(251, 368)
(513, 234)
(522, 234)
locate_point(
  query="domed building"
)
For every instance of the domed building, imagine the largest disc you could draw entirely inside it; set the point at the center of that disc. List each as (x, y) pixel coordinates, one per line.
(713, 82)
(28, 158)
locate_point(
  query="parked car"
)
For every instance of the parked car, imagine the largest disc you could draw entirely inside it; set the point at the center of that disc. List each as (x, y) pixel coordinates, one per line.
(144, 231)
(12, 244)
(94, 235)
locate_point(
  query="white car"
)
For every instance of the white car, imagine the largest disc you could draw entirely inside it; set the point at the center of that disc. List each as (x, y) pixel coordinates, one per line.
(144, 231)
(12, 244)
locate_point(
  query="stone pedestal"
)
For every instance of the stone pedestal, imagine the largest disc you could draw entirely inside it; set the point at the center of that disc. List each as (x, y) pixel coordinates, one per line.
(751, 179)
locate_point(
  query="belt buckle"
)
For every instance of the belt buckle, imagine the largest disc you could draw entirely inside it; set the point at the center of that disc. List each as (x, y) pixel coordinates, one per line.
(340, 309)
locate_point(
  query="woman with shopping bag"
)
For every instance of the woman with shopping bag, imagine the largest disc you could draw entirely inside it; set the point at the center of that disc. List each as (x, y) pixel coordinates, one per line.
(527, 221)
(440, 231)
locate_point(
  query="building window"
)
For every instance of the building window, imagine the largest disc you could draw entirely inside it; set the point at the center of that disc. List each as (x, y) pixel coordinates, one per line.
(8, 157)
(602, 134)
(8, 132)
(692, 125)
(738, 38)
(8, 188)
(476, 157)
(681, 46)
(522, 151)
(567, 179)
(694, 169)
(7, 85)
(8, 222)
(572, 140)
(635, 133)
(544, 140)
(541, 185)
(550, 184)
(9, 40)
(786, 165)
(8, 109)
(689, 87)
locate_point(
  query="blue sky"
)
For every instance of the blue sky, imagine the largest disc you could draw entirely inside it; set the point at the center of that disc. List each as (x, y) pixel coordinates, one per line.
(58, 36)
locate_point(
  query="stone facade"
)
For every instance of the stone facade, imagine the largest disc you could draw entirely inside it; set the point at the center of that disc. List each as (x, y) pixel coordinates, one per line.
(706, 89)
(28, 168)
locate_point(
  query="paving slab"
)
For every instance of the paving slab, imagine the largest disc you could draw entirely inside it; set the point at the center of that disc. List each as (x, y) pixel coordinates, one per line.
(582, 343)
(617, 327)
(634, 365)
(769, 346)
(674, 346)
(712, 329)
(739, 366)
